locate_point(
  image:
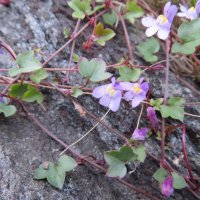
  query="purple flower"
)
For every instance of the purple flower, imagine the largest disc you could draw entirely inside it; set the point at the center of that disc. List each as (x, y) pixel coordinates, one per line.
(167, 186)
(1, 50)
(110, 95)
(162, 24)
(136, 91)
(191, 13)
(140, 134)
(151, 114)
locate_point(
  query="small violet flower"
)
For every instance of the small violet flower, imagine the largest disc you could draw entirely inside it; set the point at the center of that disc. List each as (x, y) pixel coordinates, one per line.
(110, 95)
(136, 91)
(151, 114)
(191, 13)
(162, 24)
(167, 186)
(140, 134)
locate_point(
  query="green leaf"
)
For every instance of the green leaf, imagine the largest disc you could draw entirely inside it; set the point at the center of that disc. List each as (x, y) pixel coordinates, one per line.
(67, 163)
(175, 112)
(55, 173)
(77, 92)
(7, 110)
(103, 35)
(117, 168)
(110, 18)
(66, 32)
(133, 11)
(26, 92)
(40, 173)
(27, 63)
(148, 48)
(160, 175)
(156, 103)
(124, 154)
(176, 101)
(75, 58)
(179, 181)
(94, 70)
(80, 8)
(140, 152)
(39, 75)
(127, 74)
(56, 176)
(189, 33)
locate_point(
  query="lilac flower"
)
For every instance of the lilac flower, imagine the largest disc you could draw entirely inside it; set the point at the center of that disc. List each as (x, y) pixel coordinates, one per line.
(167, 186)
(191, 13)
(140, 134)
(136, 91)
(162, 24)
(110, 95)
(151, 114)
(1, 50)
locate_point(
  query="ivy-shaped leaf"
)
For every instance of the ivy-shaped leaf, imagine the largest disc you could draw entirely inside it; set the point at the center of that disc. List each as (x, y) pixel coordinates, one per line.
(110, 18)
(80, 8)
(94, 70)
(39, 75)
(26, 92)
(103, 35)
(174, 109)
(148, 48)
(128, 74)
(7, 110)
(140, 152)
(189, 33)
(27, 63)
(55, 173)
(160, 175)
(77, 92)
(133, 11)
(179, 181)
(156, 103)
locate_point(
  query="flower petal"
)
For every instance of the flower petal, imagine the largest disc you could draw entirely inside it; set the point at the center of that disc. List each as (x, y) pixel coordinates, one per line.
(99, 91)
(138, 99)
(148, 21)
(151, 31)
(171, 13)
(163, 33)
(115, 102)
(128, 96)
(167, 186)
(126, 85)
(140, 134)
(145, 86)
(105, 101)
(166, 8)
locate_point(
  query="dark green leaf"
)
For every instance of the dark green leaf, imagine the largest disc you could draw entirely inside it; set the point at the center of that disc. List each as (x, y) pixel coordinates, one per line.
(160, 175)
(148, 48)
(110, 18)
(95, 70)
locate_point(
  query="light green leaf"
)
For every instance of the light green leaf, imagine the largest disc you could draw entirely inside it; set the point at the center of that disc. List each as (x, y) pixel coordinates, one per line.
(128, 74)
(67, 163)
(160, 175)
(140, 152)
(40, 173)
(39, 75)
(77, 92)
(103, 35)
(175, 112)
(179, 181)
(94, 70)
(75, 58)
(189, 33)
(80, 8)
(7, 110)
(156, 103)
(176, 101)
(133, 11)
(148, 48)
(66, 32)
(110, 18)
(117, 168)
(27, 63)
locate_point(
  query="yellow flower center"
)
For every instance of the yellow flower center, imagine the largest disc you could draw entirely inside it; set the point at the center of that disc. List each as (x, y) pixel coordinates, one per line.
(110, 90)
(137, 89)
(192, 9)
(162, 19)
